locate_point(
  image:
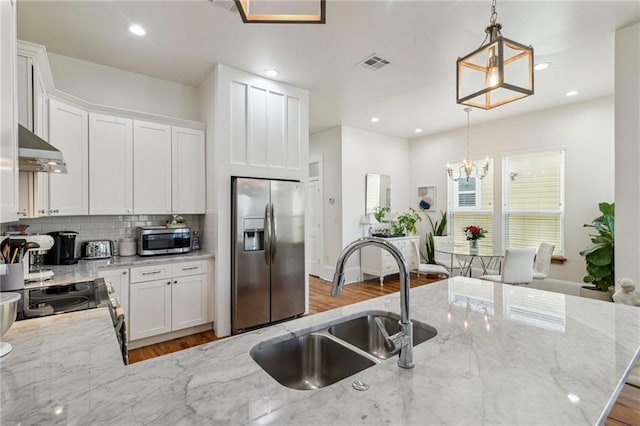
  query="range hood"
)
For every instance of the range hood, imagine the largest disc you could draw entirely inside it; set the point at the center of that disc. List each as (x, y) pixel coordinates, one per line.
(37, 155)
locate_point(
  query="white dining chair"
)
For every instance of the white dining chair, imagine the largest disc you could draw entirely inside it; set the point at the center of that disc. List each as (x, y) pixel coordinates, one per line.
(449, 261)
(427, 268)
(542, 263)
(517, 267)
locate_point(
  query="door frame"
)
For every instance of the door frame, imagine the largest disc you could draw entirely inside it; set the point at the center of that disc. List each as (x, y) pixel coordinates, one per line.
(317, 158)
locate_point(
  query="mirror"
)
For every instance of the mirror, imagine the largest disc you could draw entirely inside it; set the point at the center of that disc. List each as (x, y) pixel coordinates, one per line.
(377, 192)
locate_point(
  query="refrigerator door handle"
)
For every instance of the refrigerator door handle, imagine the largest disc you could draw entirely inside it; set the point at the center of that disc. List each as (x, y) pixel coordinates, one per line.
(273, 238)
(267, 234)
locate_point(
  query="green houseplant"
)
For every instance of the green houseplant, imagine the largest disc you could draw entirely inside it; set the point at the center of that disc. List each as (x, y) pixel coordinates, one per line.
(406, 222)
(380, 212)
(600, 254)
(438, 229)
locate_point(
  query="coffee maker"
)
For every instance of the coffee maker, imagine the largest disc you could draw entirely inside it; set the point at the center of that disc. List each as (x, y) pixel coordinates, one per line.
(63, 251)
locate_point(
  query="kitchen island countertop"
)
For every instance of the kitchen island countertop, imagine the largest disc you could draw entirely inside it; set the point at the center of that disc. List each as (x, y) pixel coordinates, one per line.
(502, 355)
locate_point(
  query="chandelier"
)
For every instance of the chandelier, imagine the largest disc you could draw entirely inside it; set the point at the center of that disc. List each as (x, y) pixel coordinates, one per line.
(468, 167)
(498, 72)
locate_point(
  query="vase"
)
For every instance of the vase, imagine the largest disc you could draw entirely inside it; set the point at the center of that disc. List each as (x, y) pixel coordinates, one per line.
(473, 246)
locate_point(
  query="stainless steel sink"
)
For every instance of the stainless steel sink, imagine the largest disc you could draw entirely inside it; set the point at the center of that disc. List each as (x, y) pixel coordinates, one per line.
(311, 361)
(330, 354)
(363, 333)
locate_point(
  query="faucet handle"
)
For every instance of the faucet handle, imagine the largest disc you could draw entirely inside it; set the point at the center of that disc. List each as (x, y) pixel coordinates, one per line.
(389, 343)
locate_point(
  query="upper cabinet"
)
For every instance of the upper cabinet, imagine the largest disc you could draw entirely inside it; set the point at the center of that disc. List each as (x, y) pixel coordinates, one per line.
(110, 165)
(69, 132)
(8, 114)
(187, 171)
(168, 169)
(151, 168)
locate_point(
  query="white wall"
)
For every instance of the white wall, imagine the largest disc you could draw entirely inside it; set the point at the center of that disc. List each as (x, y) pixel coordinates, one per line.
(349, 154)
(115, 87)
(584, 129)
(328, 143)
(627, 135)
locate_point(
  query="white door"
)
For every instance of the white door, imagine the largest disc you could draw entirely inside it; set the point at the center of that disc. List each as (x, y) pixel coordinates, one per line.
(110, 165)
(188, 176)
(151, 168)
(150, 308)
(189, 301)
(315, 217)
(69, 132)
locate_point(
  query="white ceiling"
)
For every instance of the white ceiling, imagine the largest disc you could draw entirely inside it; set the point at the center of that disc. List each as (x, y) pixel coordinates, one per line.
(421, 39)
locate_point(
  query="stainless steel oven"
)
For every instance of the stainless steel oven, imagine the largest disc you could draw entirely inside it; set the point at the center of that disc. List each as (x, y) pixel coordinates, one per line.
(154, 240)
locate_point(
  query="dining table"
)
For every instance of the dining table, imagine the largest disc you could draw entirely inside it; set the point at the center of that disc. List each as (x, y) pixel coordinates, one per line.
(488, 258)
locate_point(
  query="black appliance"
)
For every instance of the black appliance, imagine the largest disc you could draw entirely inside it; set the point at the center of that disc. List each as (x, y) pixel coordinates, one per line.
(63, 251)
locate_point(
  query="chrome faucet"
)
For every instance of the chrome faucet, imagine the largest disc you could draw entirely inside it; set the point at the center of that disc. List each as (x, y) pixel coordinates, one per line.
(402, 340)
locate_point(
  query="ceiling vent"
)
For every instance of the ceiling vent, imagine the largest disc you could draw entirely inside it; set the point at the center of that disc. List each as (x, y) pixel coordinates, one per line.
(229, 5)
(374, 63)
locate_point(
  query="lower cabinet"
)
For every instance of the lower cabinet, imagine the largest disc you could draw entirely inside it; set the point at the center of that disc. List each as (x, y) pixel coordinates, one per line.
(119, 279)
(167, 298)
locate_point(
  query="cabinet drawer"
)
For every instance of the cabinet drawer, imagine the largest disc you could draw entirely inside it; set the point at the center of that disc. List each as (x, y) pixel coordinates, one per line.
(150, 273)
(189, 268)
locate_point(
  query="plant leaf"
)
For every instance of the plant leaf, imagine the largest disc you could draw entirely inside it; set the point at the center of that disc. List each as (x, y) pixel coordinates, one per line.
(600, 257)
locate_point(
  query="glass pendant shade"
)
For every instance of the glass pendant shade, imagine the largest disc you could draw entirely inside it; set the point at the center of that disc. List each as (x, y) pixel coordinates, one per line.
(498, 72)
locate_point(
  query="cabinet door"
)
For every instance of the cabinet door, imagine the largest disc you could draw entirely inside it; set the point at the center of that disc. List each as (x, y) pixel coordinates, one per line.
(119, 279)
(188, 176)
(69, 132)
(110, 165)
(8, 114)
(151, 168)
(149, 308)
(189, 301)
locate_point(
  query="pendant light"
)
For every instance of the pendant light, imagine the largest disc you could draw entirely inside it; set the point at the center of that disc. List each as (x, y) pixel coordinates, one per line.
(498, 72)
(468, 168)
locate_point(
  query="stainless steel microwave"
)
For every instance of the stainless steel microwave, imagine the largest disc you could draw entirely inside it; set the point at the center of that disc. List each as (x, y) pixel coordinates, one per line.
(154, 240)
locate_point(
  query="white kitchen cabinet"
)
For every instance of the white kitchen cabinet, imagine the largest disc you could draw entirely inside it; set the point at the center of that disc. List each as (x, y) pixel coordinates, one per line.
(110, 165)
(168, 297)
(188, 301)
(69, 132)
(8, 114)
(150, 308)
(379, 262)
(187, 171)
(151, 168)
(119, 279)
(169, 172)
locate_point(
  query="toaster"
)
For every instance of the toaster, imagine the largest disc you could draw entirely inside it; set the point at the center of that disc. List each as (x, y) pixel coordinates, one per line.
(102, 249)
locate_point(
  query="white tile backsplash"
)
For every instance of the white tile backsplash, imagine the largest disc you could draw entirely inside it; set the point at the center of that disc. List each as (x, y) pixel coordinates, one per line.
(98, 227)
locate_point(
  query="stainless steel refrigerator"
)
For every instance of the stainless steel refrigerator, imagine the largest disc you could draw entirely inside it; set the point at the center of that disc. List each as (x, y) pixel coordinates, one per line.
(268, 251)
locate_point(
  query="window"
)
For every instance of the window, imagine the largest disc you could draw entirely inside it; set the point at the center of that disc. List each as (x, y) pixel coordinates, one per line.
(470, 202)
(533, 199)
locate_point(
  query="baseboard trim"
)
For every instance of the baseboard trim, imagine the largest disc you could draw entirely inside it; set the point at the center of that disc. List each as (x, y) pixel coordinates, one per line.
(135, 344)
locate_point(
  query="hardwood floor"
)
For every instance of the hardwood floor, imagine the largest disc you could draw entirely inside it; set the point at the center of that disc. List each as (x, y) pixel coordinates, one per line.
(625, 412)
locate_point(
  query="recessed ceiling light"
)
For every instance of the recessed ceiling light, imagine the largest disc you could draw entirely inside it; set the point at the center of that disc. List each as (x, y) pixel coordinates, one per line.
(271, 73)
(573, 398)
(542, 66)
(137, 30)
(418, 130)
(571, 93)
(374, 119)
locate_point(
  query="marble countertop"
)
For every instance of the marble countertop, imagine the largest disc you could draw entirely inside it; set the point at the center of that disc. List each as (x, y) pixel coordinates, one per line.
(502, 355)
(86, 270)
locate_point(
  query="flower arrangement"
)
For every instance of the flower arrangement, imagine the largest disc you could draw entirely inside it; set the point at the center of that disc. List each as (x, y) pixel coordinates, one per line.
(473, 232)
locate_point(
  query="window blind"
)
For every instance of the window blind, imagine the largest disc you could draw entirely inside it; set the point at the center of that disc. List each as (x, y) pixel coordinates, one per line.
(533, 200)
(471, 203)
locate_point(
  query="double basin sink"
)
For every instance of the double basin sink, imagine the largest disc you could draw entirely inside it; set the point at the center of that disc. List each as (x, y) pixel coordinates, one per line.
(328, 355)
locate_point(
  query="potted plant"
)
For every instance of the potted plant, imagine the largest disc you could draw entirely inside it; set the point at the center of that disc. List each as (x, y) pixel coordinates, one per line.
(438, 230)
(600, 255)
(406, 222)
(380, 212)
